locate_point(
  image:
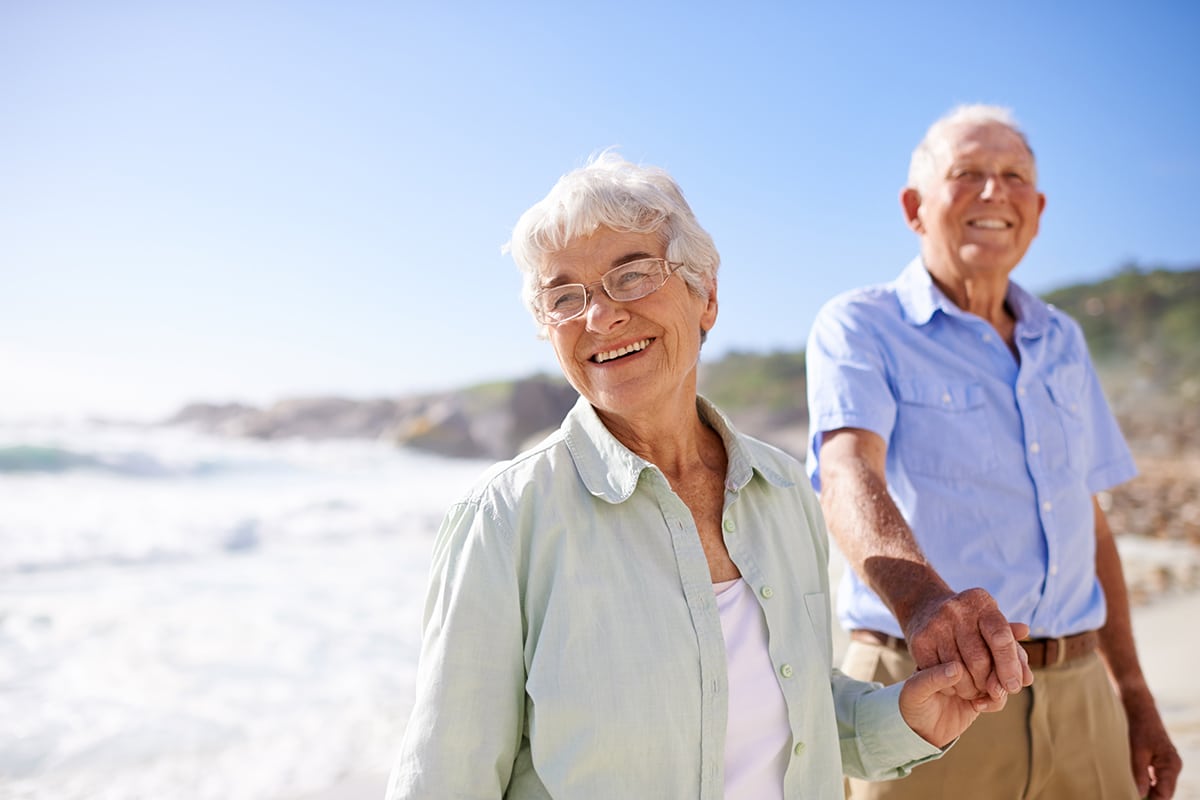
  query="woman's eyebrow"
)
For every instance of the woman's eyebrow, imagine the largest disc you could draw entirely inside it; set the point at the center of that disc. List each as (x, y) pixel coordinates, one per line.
(628, 257)
(559, 278)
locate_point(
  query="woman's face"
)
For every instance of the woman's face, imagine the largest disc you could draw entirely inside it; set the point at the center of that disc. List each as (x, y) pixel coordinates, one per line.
(634, 358)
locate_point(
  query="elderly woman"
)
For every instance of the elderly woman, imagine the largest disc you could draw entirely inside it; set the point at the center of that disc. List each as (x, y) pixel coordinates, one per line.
(637, 607)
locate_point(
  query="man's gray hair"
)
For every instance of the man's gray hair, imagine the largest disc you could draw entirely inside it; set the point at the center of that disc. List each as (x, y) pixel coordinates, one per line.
(613, 193)
(922, 168)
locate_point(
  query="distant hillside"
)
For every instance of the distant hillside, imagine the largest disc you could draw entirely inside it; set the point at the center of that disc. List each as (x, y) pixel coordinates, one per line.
(1143, 326)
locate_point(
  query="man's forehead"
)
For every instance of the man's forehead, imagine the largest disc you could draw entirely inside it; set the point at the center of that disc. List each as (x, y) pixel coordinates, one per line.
(969, 138)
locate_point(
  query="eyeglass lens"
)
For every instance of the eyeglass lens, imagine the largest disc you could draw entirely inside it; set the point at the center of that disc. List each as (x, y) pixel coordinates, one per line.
(631, 281)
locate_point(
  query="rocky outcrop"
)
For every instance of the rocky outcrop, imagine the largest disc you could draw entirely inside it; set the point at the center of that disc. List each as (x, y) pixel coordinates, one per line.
(490, 421)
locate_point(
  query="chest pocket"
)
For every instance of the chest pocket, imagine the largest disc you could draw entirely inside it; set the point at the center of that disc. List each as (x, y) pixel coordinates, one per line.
(1065, 385)
(942, 429)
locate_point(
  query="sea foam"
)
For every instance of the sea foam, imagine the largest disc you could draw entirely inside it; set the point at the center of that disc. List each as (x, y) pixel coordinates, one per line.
(229, 619)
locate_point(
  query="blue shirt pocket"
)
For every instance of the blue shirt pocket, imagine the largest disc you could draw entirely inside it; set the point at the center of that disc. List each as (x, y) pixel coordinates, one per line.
(942, 428)
(1065, 385)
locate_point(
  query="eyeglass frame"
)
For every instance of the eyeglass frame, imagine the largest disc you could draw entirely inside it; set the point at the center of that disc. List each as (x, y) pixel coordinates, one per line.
(670, 267)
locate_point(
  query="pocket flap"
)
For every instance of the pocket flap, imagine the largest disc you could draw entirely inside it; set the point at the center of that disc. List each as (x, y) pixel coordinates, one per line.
(937, 393)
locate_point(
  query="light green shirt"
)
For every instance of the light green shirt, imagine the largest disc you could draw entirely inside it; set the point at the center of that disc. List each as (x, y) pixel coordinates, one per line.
(572, 644)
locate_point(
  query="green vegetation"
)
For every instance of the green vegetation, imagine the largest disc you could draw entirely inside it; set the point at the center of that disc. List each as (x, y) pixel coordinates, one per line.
(1142, 327)
(773, 382)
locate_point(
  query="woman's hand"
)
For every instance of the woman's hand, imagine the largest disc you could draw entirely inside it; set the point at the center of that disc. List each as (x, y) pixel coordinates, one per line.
(932, 707)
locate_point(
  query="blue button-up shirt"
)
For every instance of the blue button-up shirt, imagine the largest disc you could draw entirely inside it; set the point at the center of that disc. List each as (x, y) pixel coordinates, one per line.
(992, 462)
(573, 645)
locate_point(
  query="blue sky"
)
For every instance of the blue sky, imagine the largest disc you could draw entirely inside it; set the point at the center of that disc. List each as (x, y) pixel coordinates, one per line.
(247, 201)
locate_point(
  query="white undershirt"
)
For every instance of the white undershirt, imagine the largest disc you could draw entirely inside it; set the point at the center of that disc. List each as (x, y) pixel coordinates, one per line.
(758, 738)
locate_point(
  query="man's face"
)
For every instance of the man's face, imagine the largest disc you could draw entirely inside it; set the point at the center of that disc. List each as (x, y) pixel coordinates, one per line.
(979, 211)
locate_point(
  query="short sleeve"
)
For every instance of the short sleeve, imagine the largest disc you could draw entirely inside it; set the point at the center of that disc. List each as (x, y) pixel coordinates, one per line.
(847, 377)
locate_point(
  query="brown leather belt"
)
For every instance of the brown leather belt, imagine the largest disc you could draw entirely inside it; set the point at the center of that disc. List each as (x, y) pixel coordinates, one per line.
(1041, 652)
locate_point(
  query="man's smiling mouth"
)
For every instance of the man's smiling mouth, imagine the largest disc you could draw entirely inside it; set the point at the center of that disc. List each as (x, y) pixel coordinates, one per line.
(990, 223)
(609, 355)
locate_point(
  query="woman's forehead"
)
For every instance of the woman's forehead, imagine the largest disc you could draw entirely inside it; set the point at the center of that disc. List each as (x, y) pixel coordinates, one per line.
(600, 252)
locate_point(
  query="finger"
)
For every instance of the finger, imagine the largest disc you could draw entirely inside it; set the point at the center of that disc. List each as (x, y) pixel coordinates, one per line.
(962, 686)
(1026, 672)
(976, 657)
(988, 704)
(1166, 772)
(1141, 770)
(1003, 649)
(940, 678)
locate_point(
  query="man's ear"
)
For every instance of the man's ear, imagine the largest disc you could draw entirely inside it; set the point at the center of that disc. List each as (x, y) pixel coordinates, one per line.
(910, 201)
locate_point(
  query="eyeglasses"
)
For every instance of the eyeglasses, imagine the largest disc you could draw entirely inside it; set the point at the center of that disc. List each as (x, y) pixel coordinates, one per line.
(632, 281)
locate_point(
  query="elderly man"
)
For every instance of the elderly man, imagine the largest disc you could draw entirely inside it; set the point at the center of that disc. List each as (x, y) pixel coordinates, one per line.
(959, 437)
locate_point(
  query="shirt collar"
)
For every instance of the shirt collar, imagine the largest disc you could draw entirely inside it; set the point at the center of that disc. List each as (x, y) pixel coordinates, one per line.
(920, 297)
(611, 471)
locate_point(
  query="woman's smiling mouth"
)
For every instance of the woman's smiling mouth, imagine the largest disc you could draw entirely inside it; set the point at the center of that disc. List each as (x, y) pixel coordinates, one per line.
(609, 355)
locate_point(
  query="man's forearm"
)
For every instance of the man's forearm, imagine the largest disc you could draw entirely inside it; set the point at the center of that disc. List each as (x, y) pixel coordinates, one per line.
(1116, 636)
(876, 540)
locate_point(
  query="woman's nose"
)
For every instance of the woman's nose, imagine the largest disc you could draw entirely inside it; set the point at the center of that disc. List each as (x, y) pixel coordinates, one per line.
(604, 313)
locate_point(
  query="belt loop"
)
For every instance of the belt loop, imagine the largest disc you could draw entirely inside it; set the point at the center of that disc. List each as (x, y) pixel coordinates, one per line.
(1060, 654)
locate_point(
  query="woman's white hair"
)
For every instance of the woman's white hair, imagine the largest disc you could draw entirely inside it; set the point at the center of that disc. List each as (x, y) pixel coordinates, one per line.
(613, 193)
(924, 164)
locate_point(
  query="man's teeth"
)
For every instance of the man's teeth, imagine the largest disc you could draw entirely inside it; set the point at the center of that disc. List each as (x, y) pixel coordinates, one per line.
(600, 358)
(992, 224)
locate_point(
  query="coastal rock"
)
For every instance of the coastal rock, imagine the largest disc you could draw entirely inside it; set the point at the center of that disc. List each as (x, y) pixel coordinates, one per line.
(489, 421)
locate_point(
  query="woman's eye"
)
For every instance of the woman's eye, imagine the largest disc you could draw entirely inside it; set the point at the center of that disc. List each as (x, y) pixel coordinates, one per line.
(566, 299)
(631, 277)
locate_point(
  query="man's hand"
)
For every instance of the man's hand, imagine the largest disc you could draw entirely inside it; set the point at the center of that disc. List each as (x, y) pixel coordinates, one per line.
(1156, 763)
(932, 706)
(968, 627)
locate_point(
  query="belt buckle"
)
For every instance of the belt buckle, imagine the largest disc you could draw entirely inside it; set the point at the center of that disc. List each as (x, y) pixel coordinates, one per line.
(1060, 655)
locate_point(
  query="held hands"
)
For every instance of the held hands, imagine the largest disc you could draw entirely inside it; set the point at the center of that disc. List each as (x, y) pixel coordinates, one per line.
(968, 628)
(932, 707)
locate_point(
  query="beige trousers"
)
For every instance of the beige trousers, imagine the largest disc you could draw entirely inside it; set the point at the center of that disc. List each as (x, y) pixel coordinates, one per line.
(1063, 738)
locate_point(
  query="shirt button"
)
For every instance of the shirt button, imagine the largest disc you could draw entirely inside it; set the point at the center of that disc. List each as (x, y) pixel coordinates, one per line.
(767, 592)
(1020, 391)
(987, 337)
(1035, 448)
(799, 749)
(729, 526)
(1046, 506)
(786, 670)
(1053, 569)
(946, 398)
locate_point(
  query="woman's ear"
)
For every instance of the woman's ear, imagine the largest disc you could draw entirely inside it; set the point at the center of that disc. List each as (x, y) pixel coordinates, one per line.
(709, 317)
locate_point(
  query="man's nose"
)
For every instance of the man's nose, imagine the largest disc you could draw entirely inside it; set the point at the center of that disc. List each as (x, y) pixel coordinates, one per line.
(993, 188)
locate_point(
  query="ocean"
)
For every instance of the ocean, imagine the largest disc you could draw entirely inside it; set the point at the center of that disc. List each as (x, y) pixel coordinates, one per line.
(190, 617)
